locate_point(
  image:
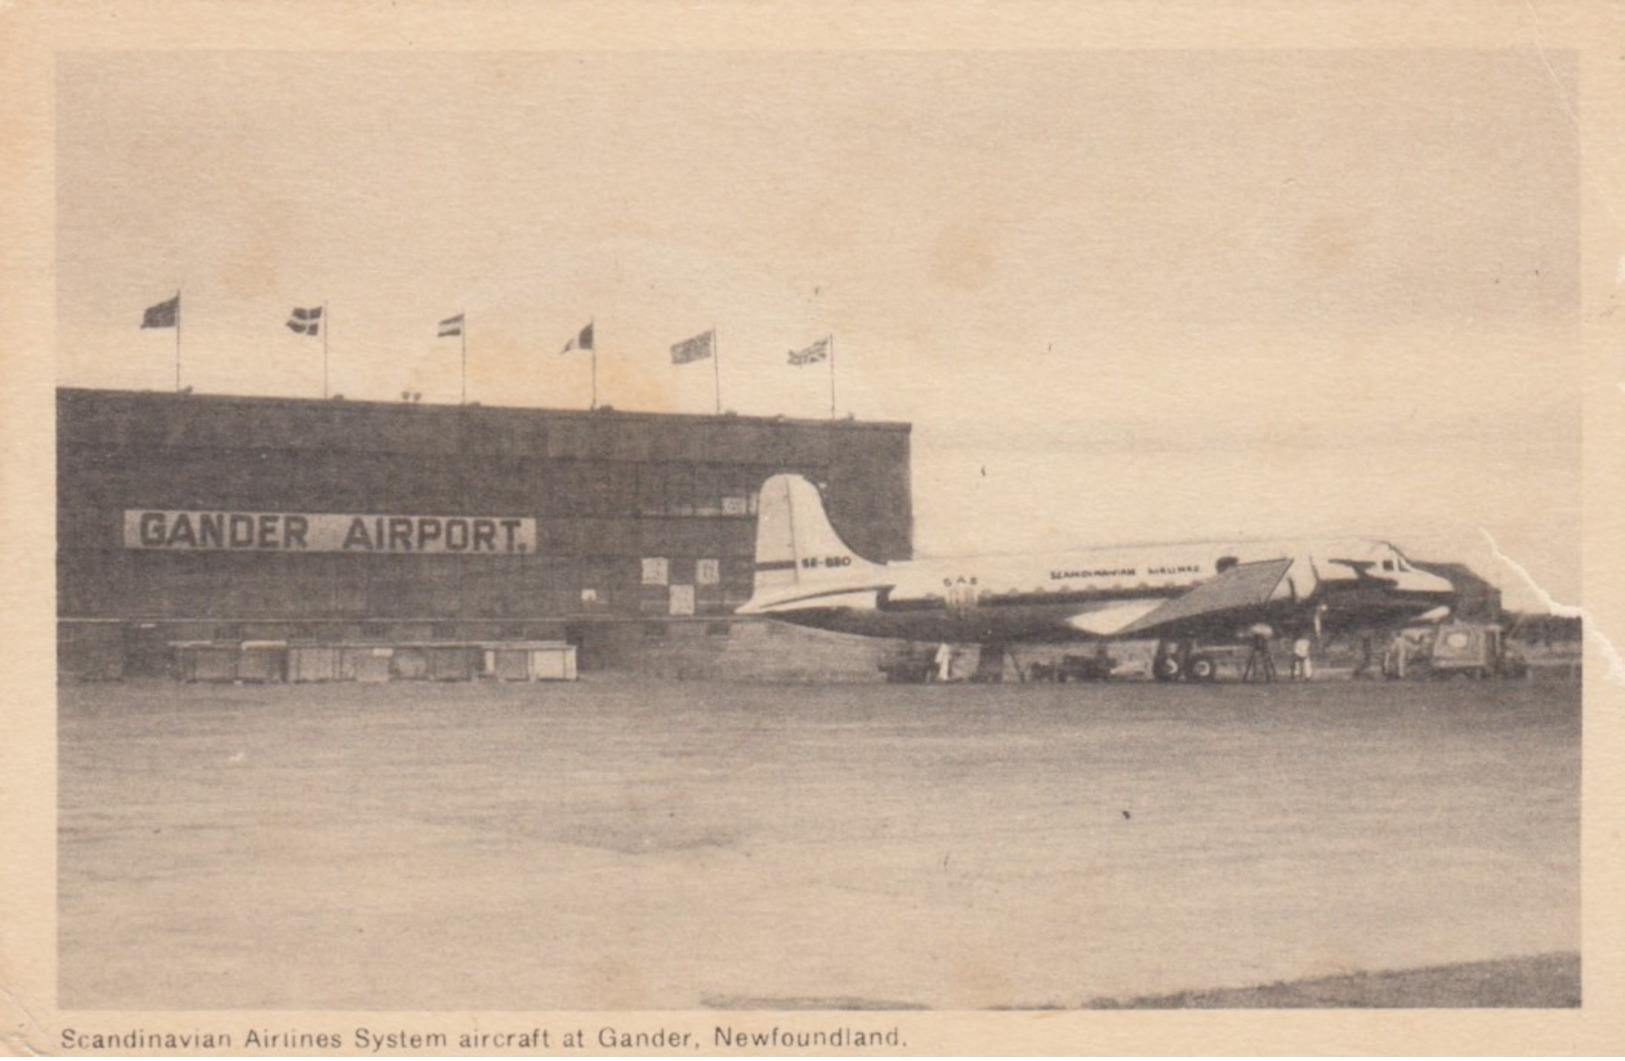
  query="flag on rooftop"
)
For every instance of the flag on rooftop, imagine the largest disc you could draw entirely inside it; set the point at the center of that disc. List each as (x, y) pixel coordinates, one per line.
(581, 341)
(698, 348)
(811, 355)
(163, 315)
(306, 321)
(451, 326)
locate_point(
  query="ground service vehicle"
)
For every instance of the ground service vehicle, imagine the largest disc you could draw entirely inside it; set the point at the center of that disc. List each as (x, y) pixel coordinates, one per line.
(1473, 650)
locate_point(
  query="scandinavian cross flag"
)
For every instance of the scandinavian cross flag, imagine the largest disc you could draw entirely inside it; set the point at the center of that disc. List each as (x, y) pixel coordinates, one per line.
(306, 321)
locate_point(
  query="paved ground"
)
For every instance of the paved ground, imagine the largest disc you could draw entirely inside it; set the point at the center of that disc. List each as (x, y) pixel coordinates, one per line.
(621, 844)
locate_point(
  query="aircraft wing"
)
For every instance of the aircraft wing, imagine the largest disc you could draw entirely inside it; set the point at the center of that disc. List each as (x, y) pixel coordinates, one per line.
(1226, 597)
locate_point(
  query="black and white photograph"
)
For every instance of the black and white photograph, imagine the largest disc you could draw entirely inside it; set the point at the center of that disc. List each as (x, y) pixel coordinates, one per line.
(684, 542)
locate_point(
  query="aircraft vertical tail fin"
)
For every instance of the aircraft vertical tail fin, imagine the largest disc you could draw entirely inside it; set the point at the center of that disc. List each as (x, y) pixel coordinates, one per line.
(795, 543)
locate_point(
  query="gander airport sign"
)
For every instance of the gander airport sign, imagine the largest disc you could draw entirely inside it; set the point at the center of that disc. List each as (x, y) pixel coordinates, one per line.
(326, 532)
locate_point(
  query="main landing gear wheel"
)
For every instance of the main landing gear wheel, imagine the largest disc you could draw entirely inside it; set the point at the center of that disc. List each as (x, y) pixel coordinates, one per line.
(1179, 660)
(1169, 662)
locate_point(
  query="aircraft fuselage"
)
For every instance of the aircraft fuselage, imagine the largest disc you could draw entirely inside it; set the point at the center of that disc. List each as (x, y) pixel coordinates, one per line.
(1078, 595)
(806, 574)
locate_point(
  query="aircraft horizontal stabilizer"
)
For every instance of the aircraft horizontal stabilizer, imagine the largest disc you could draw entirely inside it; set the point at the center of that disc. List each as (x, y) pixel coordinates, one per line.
(1241, 587)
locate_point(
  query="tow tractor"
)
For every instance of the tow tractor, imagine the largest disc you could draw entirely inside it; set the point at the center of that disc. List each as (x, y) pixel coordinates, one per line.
(1473, 650)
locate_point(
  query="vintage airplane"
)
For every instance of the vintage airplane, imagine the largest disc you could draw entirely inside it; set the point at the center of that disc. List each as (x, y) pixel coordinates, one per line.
(1178, 594)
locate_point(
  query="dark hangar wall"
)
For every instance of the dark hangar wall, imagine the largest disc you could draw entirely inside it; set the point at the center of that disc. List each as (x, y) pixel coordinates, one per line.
(606, 490)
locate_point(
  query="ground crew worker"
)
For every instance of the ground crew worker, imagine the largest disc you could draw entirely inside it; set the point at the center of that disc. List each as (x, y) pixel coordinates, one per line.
(1393, 663)
(1303, 667)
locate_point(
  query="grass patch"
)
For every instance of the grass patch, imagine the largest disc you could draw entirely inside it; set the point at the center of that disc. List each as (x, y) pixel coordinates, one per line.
(1542, 981)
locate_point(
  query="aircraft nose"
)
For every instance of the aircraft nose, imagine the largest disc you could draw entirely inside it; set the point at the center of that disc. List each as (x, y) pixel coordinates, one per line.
(1431, 583)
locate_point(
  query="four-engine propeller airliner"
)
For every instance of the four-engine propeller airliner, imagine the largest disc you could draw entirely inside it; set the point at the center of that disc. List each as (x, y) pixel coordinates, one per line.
(1178, 594)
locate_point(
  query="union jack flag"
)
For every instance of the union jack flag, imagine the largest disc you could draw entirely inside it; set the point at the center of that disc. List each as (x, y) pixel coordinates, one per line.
(698, 348)
(811, 355)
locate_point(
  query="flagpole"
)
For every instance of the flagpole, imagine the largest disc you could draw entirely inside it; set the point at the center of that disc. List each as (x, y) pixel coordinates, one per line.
(177, 341)
(716, 366)
(462, 335)
(592, 324)
(327, 323)
(832, 375)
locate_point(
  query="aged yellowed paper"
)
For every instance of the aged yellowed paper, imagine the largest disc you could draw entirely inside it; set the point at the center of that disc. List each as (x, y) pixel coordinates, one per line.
(368, 368)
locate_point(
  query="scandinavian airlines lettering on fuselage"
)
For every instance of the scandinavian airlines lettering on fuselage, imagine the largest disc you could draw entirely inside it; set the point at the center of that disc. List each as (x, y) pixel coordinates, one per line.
(326, 532)
(1158, 571)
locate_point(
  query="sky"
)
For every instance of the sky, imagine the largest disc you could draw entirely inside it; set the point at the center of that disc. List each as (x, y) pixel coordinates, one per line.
(1122, 296)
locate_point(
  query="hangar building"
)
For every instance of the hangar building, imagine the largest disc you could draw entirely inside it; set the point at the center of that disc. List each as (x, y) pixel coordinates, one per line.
(184, 516)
